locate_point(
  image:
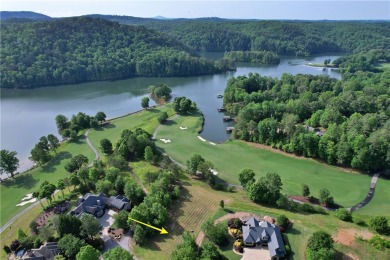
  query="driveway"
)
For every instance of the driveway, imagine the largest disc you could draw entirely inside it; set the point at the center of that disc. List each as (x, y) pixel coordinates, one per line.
(106, 221)
(255, 253)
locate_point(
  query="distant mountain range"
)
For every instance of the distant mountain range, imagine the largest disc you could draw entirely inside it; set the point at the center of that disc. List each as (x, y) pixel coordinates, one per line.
(5, 15)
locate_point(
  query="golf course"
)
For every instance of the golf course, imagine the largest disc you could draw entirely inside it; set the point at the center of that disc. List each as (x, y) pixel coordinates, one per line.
(347, 187)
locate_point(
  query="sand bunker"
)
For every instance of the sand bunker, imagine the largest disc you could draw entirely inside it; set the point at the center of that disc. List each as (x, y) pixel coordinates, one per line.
(26, 202)
(212, 143)
(183, 128)
(27, 197)
(201, 138)
(165, 140)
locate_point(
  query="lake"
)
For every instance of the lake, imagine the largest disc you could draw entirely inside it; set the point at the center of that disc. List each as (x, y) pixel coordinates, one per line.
(26, 115)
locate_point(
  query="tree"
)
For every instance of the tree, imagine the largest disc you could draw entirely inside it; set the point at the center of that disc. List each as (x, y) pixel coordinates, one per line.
(73, 179)
(47, 190)
(90, 226)
(145, 102)
(246, 177)
(59, 257)
(9, 163)
(100, 116)
(325, 197)
(193, 163)
(120, 219)
(139, 235)
(117, 253)
(76, 163)
(305, 190)
(379, 224)
(54, 143)
(106, 146)
(93, 174)
(266, 189)
(210, 251)
(163, 117)
(187, 249)
(45, 232)
(70, 245)
(61, 186)
(133, 192)
(88, 253)
(222, 204)
(68, 224)
(182, 105)
(40, 153)
(320, 239)
(149, 156)
(104, 186)
(217, 234)
(62, 123)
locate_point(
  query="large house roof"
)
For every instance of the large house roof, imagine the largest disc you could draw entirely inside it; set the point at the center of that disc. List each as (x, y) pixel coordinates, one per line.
(45, 252)
(96, 203)
(264, 232)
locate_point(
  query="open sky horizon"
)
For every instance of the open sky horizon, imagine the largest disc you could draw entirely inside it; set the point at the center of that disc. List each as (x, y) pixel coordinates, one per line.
(260, 9)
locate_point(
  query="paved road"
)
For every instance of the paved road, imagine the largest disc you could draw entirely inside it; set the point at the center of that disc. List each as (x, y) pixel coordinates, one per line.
(92, 147)
(369, 196)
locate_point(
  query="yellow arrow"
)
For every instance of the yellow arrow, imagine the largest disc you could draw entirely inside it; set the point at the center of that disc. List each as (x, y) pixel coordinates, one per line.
(162, 230)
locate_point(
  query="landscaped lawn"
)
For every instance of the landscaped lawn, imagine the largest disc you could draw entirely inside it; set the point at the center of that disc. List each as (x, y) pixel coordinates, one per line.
(14, 189)
(229, 158)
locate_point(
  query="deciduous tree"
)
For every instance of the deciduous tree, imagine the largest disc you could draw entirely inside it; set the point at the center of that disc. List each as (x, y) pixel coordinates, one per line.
(8, 162)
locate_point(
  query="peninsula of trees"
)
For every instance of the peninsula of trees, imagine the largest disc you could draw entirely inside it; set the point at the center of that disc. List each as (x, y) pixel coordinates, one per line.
(344, 122)
(83, 49)
(261, 57)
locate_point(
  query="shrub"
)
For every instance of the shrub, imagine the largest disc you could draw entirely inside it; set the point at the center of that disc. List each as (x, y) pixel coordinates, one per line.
(320, 239)
(379, 243)
(308, 208)
(282, 220)
(7, 249)
(358, 220)
(343, 214)
(34, 227)
(379, 224)
(14, 245)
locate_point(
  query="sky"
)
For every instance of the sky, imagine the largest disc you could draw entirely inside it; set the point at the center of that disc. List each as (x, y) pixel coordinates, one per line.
(260, 9)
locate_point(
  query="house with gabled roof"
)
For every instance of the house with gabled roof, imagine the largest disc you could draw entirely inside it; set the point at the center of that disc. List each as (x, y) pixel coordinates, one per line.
(46, 252)
(256, 233)
(96, 204)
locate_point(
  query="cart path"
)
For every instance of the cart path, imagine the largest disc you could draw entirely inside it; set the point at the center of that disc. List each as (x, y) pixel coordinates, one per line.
(369, 196)
(92, 147)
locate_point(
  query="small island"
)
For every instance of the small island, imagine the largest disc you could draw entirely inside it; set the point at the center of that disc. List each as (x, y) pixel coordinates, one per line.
(327, 64)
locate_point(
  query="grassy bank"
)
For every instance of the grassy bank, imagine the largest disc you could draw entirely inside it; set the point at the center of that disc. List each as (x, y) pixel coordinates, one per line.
(229, 158)
(14, 189)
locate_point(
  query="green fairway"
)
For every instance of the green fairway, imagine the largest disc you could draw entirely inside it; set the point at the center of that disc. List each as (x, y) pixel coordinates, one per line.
(379, 205)
(146, 119)
(229, 158)
(13, 190)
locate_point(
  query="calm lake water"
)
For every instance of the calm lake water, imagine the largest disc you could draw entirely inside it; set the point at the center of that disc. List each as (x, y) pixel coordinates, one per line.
(26, 115)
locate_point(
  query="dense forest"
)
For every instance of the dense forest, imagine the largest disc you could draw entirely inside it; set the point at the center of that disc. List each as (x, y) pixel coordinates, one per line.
(300, 38)
(87, 49)
(344, 122)
(260, 57)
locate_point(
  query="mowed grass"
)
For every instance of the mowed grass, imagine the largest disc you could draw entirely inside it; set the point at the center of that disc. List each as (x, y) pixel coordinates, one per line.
(14, 189)
(231, 157)
(379, 205)
(146, 119)
(197, 204)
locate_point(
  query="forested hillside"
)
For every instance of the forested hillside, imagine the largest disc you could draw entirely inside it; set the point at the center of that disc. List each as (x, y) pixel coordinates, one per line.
(5, 15)
(282, 37)
(85, 49)
(344, 122)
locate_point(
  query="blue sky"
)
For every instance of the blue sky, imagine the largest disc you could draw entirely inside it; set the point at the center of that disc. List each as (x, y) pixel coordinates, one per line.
(287, 9)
